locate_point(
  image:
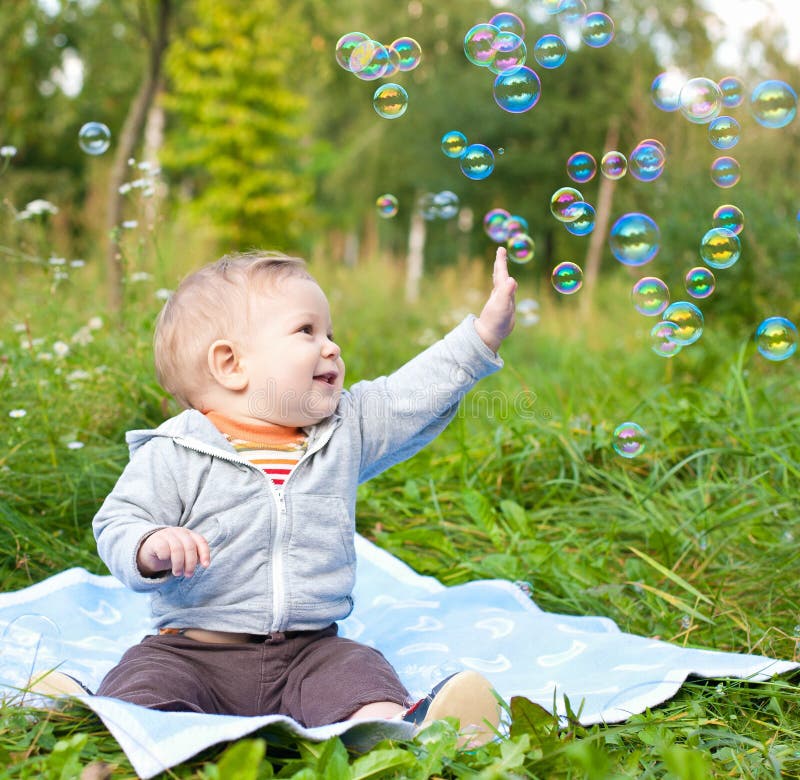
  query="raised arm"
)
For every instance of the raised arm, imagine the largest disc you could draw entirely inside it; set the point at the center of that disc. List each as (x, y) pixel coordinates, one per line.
(496, 320)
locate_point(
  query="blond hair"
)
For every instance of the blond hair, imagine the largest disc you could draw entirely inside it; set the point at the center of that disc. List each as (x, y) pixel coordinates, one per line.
(209, 304)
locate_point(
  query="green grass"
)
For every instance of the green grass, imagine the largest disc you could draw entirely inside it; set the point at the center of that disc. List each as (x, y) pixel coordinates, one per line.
(692, 542)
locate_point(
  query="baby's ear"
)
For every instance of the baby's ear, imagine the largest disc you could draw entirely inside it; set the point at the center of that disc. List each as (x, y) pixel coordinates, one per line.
(225, 365)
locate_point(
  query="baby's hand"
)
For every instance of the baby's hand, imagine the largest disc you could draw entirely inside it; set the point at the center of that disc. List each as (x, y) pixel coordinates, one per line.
(497, 318)
(178, 549)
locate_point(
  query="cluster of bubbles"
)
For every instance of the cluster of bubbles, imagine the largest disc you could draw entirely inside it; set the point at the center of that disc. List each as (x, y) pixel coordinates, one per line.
(499, 46)
(476, 160)
(369, 60)
(438, 205)
(512, 230)
(94, 138)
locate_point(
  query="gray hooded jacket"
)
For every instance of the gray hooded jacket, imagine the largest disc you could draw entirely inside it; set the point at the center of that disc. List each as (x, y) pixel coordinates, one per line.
(279, 561)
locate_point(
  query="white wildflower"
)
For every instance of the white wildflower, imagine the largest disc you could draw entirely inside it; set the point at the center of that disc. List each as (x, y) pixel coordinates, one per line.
(163, 294)
(95, 323)
(82, 336)
(139, 183)
(40, 206)
(74, 445)
(61, 348)
(57, 261)
(45, 356)
(131, 161)
(77, 263)
(144, 165)
(129, 224)
(141, 276)
(148, 192)
(8, 151)
(20, 327)
(60, 275)
(78, 375)
(17, 413)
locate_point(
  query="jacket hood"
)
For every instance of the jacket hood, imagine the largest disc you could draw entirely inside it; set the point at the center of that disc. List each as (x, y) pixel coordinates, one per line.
(189, 423)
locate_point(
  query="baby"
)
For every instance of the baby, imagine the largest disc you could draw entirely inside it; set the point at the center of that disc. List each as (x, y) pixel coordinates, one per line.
(238, 515)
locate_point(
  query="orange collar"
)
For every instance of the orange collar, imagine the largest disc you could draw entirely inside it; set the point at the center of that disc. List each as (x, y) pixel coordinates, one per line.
(258, 432)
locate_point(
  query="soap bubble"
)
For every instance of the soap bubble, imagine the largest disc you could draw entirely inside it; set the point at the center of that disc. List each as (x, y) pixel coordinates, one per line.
(666, 89)
(479, 44)
(370, 60)
(584, 219)
(597, 29)
(550, 51)
(386, 205)
(521, 248)
(515, 224)
(477, 162)
(572, 11)
(562, 202)
(390, 101)
(409, 53)
(345, 47)
(581, 167)
(773, 104)
(510, 53)
(629, 439)
(634, 239)
(613, 165)
(661, 339)
(720, 248)
(32, 646)
(567, 278)
(505, 21)
(700, 100)
(518, 91)
(732, 91)
(454, 144)
(776, 338)
(426, 207)
(494, 223)
(446, 204)
(730, 217)
(723, 132)
(551, 6)
(94, 138)
(725, 172)
(700, 282)
(528, 312)
(646, 161)
(689, 320)
(650, 296)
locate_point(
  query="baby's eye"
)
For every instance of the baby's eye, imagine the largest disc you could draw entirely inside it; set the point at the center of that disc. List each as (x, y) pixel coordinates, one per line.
(306, 329)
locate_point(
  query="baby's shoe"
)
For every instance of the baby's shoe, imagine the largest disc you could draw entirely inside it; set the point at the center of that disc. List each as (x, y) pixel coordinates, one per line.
(466, 696)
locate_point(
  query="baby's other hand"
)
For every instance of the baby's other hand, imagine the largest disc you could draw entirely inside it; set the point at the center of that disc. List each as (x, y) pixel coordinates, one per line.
(496, 320)
(178, 549)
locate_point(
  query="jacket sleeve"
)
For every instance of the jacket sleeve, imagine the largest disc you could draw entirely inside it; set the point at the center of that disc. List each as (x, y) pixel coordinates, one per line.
(399, 414)
(145, 498)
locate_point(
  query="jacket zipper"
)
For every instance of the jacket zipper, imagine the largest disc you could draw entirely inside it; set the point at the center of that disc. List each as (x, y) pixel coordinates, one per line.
(278, 591)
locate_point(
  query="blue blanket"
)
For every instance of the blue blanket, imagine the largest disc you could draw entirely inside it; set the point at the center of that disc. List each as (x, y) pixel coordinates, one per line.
(82, 623)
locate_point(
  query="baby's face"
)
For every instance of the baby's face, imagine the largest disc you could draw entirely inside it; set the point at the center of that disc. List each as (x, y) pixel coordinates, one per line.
(294, 367)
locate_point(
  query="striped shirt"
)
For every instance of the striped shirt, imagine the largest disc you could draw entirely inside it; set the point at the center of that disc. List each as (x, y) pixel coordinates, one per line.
(275, 449)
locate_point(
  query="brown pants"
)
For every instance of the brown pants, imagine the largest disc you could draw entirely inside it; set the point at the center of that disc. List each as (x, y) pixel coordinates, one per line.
(315, 677)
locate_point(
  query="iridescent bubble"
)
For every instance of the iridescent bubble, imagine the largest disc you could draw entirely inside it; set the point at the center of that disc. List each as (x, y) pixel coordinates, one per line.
(646, 161)
(370, 60)
(550, 51)
(571, 11)
(386, 205)
(723, 132)
(650, 296)
(551, 6)
(390, 101)
(520, 248)
(581, 167)
(345, 47)
(661, 339)
(479, 44)
(689, 320)
(665, 91)
(394, 63)
(776, 338)
(725, 172)
(567, 278)
(454, 144)
(505, 21)
(528, 312)
(613, 165)
(773, 104)
(446, 204)
(700, 100)
(510, 53)
(584, 220)
(494, 223)
(94, 138)
(730, 217)
(629, 439)
(477, 162)
(562, 202)
(700, 282)
(732, 91)
(518, 91)
(32, 645)
(634, 239)
(515, 224)
(720, 248)
(409, 53)
(597, 29)
(426, 207)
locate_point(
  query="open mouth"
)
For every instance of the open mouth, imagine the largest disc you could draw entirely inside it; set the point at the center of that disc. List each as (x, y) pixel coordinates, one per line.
(328, 379)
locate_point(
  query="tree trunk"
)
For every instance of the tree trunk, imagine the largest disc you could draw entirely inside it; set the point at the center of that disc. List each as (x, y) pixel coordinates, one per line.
(415, 261)
(594, 252)
(129, 138)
